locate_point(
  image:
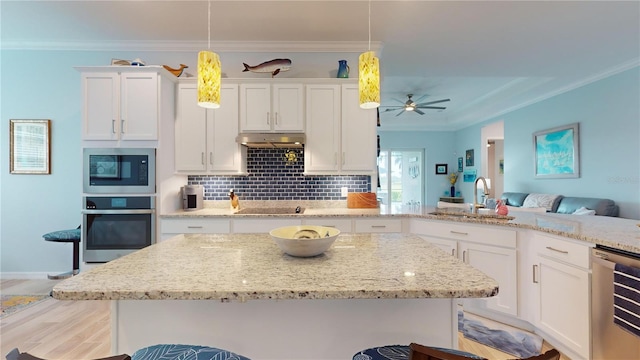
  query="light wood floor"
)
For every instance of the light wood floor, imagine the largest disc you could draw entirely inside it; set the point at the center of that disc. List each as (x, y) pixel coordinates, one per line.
(80, 330)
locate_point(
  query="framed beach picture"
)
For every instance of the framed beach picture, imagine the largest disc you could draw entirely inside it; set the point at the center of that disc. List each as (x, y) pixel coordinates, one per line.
(30, 146)
(460, 161)
(557, 152)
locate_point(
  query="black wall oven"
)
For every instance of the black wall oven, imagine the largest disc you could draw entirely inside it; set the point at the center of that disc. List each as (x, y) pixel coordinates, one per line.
(114, 226)
(119, 171)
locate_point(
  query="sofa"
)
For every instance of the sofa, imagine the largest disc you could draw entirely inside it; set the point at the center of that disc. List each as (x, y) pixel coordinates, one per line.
(561, 204)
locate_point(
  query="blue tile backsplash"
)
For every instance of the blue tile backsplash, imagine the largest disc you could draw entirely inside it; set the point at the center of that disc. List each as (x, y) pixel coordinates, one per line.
(272, 177)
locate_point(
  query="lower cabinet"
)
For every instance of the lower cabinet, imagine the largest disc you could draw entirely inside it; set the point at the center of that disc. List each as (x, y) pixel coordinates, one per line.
(491, 250)
(378, 225)
(175, 226)
(561, 287)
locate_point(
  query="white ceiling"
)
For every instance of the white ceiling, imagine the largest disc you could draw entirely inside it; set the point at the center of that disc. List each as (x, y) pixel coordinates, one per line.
(487, 57)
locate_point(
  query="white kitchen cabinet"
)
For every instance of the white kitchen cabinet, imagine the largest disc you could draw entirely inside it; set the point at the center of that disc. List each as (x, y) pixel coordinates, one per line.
(323, 129)
(499, 263)
(358, 137)
(206, 138)
(378, 225)
(489, 249)
(341, 137)
(175, 226)
(561, 282)
(271, 107)
(121, 105)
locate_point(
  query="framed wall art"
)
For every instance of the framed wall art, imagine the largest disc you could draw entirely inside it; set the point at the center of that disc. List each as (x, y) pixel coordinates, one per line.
(469, 157)
(460, 162)
(557, 152)
(30, 146)
(441, 169)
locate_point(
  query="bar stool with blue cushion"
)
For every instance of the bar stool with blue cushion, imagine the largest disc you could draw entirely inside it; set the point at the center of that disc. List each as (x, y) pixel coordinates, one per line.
(401, 352)
(420, 352)
(71, 235)
(184, 352)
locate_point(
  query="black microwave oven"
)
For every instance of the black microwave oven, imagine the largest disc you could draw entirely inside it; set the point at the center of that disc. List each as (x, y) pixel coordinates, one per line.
(119, 170)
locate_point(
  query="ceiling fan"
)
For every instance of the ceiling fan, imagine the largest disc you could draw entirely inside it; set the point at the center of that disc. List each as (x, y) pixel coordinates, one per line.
(416, 106)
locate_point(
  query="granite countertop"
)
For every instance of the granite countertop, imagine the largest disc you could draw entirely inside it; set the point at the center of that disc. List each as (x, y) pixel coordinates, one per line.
(617, 233)
(241, 267)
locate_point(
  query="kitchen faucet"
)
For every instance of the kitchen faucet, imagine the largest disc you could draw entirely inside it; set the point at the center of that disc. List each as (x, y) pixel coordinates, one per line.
(485, 191)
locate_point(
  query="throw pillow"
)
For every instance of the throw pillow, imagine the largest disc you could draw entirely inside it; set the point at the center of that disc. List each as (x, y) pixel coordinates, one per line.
(584, 211)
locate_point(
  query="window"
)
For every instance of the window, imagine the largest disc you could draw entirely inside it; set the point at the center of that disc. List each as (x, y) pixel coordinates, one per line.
(401, 181)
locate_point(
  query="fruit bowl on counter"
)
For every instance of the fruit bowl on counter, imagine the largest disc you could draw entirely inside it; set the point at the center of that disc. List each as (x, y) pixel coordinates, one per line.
(304, 240)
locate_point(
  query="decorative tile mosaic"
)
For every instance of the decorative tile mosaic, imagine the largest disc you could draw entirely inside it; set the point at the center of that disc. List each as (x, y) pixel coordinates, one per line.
(271, 176)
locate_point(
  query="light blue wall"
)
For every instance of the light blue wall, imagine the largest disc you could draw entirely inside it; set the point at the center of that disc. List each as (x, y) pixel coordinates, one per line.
(609, 115)
(439, 147)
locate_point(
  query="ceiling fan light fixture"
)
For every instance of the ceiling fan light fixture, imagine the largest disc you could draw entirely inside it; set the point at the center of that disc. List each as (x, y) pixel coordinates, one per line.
(209, 73)
(410, 107)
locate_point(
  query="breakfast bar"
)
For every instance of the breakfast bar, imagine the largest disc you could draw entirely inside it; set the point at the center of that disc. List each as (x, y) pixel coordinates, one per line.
(242, 293)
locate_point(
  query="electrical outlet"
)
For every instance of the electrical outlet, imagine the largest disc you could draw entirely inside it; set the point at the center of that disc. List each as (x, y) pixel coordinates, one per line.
(344, 190)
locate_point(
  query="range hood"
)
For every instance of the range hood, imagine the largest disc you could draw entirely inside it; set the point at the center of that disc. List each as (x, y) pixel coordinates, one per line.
(271, 140)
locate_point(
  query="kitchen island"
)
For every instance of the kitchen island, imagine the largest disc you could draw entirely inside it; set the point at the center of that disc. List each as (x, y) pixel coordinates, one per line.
(240, 292)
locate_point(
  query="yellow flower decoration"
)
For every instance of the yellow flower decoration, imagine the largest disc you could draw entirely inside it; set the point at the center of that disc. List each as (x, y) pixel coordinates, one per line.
(453, 178)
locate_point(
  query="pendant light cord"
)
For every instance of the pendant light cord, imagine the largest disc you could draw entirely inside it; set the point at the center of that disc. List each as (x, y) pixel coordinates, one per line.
(209, 27)
(369, 25)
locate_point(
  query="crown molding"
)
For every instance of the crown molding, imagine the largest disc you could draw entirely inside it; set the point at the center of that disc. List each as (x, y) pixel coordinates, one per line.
(191, 46)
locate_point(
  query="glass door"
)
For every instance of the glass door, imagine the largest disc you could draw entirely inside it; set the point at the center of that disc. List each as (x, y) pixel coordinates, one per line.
(401, 177)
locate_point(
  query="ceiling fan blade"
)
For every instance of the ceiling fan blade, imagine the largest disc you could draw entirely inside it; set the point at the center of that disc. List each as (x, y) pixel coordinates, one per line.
(394, 99)
(393, 109)
(417, 101)
(418, 111)
(434, 102)
(400, 113)
(431, 107)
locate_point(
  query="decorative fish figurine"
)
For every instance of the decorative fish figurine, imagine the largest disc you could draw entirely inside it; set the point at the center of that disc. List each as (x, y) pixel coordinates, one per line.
(274, 66)
(176, 72)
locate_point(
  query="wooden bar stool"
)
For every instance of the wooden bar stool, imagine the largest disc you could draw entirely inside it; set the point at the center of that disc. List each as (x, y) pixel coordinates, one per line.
(67, 236)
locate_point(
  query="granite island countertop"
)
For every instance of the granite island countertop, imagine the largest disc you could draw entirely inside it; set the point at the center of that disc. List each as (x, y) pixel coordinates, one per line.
(241, 267)
(613, 232)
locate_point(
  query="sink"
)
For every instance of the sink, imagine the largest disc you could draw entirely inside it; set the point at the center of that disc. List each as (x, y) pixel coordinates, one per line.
(468, 215)
(271, 211)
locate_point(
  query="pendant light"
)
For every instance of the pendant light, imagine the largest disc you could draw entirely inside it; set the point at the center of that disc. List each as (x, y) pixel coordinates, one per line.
(369, 76)
(209, 73)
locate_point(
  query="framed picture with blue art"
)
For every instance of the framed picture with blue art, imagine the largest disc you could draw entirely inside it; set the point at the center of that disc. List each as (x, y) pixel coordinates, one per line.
(557, 152)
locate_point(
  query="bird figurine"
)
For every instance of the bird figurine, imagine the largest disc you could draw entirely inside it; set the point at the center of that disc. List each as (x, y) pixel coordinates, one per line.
(235, 202)
(176, 72)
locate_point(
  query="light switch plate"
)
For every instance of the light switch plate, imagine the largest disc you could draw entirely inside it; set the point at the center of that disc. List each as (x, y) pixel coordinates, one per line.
(344, 191)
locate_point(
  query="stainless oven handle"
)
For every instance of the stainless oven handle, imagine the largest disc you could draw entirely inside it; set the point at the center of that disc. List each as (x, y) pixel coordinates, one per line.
(109, 212)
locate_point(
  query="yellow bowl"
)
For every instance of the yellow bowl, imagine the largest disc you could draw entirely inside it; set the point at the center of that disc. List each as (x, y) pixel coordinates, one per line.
(304, 240)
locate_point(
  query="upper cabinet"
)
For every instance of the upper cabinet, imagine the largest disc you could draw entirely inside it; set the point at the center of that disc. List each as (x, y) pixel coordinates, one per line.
(341, 137)
(206, 138)
(121, 103)
(268, 107)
